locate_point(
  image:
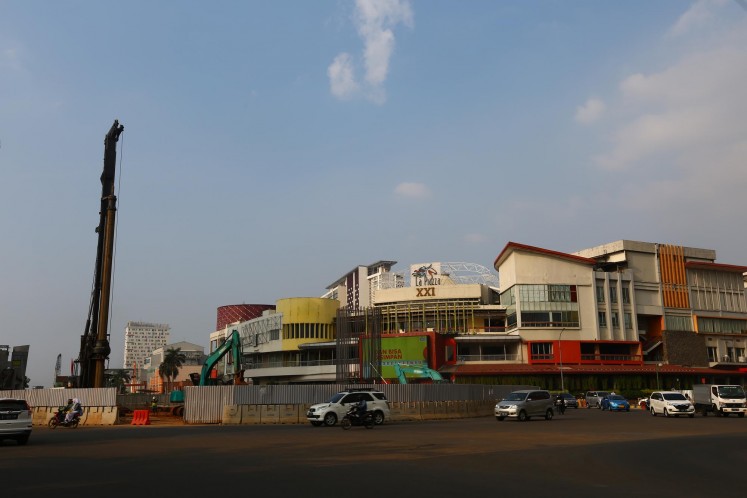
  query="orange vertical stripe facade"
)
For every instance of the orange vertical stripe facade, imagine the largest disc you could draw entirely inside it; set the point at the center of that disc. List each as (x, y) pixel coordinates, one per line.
(673, 276)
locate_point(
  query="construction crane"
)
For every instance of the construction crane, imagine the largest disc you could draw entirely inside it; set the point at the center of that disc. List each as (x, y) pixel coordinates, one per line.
(94, 343)
(57, 369)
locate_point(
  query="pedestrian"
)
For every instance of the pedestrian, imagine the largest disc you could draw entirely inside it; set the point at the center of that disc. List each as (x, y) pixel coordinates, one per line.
(561, 404)
(154, 404)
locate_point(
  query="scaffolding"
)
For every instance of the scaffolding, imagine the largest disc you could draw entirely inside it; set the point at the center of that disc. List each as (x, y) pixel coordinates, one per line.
(358, 345)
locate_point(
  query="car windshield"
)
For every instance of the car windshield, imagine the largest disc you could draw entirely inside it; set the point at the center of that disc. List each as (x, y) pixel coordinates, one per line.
(12, 405)
(674, 397)
(337, 397)
(616, 397)
(516, 397)
(567, 396)
(731, 391)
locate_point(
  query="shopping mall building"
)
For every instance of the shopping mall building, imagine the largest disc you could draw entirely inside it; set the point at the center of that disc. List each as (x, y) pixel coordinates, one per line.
(624, 315)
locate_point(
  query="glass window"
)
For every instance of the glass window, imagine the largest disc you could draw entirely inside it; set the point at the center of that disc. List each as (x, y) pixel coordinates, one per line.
(615, 319)
(600, 292)
(626, 295)
(629, 321)
(542, 350)
(613, 294)
(602, 319)
(678, 323)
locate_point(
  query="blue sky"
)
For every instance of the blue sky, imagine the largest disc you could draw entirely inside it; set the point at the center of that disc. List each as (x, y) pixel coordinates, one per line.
(270, 147)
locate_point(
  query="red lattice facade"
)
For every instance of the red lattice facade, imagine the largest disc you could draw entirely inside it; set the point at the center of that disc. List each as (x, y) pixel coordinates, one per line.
(240, 313)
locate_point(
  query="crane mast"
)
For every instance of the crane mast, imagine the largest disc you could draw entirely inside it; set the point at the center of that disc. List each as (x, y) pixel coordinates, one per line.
(94, 343)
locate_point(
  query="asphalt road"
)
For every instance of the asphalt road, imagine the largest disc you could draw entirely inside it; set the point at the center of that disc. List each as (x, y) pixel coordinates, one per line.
(582, 453)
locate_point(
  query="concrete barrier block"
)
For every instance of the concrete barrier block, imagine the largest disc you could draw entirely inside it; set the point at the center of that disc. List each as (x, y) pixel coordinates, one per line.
(109, 415)
(427, 410)
(270, 414)
(457, 409)
(250, 414)
(404, 411)
(231, 415)
(91, 415)
(289, 414)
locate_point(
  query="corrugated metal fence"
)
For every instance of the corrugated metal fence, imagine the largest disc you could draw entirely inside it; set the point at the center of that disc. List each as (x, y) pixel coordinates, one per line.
(106, 396)
(205, 404)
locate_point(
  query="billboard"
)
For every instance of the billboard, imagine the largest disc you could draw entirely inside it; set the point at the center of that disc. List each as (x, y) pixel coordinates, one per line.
(408, 350)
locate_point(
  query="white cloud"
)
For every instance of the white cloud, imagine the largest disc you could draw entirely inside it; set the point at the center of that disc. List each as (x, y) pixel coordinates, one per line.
(695, 103)
(590, 112)
(677, 142)
(412, 190)
(341, 78)
(699, 14)
(374, 21)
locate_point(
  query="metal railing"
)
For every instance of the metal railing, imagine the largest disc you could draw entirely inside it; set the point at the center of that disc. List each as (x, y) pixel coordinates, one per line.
(488, 357)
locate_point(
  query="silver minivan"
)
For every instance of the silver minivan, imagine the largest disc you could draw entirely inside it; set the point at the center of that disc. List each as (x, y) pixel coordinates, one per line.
(523, 405)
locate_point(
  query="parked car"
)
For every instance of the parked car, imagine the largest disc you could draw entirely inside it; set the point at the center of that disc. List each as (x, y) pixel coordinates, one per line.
(594, 398)
(337, 406)
(523, 405)
(615, 403)
(570, 400)
(670, 403)
(15, 420)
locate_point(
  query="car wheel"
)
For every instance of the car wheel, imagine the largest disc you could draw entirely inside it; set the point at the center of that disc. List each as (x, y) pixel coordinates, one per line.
(666, 412)
(52, 423)
(523, 416)
(627, 409)
(653, 412)
(330, 419)
(548, 414)
(691, 415)
(316, 423)
(22, 439)
(740, 415)
(378, 418)
(499, 419)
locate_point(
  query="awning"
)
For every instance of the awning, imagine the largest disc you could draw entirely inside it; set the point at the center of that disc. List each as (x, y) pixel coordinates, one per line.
(487, 338)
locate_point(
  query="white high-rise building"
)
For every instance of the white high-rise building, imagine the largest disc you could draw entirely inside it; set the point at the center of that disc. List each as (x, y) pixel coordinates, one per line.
(141, 339)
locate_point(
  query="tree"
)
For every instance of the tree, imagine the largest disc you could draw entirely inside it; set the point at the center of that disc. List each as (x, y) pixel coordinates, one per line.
(118, 378)
(173, 359)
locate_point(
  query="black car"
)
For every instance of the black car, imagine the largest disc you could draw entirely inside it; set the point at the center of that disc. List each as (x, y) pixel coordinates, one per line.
(570, 401)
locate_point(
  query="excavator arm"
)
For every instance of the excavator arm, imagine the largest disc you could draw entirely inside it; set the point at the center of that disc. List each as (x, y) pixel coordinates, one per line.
(417, 372)
(233, 344)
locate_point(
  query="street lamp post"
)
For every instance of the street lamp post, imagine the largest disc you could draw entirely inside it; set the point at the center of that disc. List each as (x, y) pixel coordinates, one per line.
(658, 386)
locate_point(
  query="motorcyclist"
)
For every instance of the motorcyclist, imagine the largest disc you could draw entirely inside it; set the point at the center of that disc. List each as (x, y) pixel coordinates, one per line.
(74, 408)
(360, 408)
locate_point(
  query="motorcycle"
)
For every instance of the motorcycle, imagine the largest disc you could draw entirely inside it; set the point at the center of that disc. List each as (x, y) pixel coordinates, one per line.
(353, 417)
(59, 419)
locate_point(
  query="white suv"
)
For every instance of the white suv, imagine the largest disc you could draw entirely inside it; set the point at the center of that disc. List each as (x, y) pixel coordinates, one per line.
(337, 406)
(670, 403)
(15, 420)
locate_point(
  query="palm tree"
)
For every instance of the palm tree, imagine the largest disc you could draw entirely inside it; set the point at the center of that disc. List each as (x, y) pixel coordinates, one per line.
(173, 359)
(118, 378)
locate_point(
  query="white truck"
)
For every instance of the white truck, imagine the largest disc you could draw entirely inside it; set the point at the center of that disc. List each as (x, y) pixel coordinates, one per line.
(722, 400)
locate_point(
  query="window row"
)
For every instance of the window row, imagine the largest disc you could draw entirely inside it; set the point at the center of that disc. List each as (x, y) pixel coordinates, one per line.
(602, 298)
(547, 294)
(615, 319)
